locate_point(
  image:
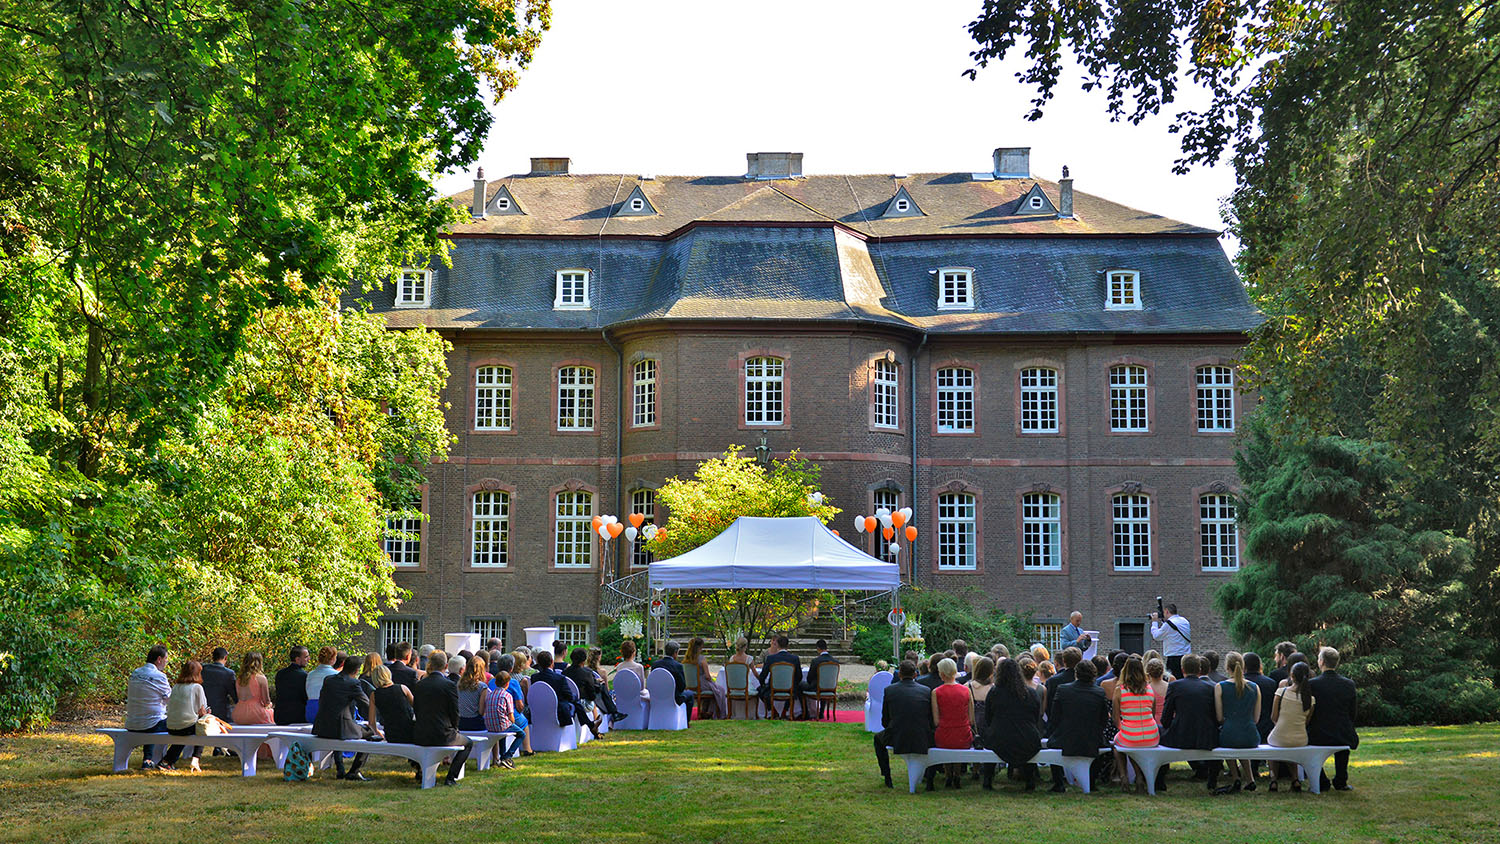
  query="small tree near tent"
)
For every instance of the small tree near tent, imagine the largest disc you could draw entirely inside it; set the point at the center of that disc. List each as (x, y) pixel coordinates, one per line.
(703, 506)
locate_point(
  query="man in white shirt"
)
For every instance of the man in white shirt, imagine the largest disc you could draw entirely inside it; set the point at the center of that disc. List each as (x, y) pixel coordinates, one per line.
(146, 700)
(315, 678)
(1176, 635)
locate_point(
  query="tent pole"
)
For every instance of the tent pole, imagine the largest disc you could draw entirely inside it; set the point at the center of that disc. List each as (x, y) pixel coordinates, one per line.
(896, 630)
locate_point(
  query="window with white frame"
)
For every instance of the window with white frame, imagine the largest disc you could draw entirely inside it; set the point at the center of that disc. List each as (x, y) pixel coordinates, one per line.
(414, 289)
(1049, 635)
(1039, 401)
(1215, 398)
(955, 400)
(764, 401)
(490, 534)
(575, 398)
(956, 531)
(572, 290)
(403, 536)
(1041, 531)
(492, 398)
(1132, 532)
(573, 634)
(574, 541)
(488, 628)
(890, 500)
(1124, 290)
(1217, 533)
(643, 394)
(955, 289)
(394, 631)
(886, 389)
(642, 501)
(1127, 398)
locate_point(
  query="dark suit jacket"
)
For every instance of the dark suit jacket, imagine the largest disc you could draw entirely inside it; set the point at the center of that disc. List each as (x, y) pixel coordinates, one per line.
(583, 677)
(1188, 715)
(404, 675)
(291, 695)
(1332, 719)
(780, 656)
(435, 702)
(1060, 678)
(812, 670)
(1079, 715)
(930, 682)
(679, 681)
(1279, 674)
(567, 702)
(219, 688)
(1217, 676)
(1267, 694)
(343, 697)
(906, 717)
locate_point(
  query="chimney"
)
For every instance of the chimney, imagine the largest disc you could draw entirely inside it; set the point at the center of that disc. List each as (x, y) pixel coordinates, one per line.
(480, 194)
(1065, 195)
(550, 166)
(773, 165)
(1013, 163)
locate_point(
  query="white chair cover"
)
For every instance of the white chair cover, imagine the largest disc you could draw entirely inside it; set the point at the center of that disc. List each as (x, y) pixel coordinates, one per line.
(546, 735)
(584, 736)
(629, 701)
(666, 713)
(874, 699)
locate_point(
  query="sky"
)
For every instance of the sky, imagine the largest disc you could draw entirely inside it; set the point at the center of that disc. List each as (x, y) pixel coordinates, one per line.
(668, 87)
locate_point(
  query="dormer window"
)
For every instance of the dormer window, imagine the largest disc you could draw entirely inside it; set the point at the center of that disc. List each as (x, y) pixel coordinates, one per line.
(1124, 291)
(637, 205)
(903, 205)
(572, 290)
(503, 203)
(1036, 203)
(955, 289)
(414, 289)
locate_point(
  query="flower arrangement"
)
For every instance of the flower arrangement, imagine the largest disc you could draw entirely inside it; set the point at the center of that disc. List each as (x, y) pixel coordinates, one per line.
(631, 627)
(912, 634)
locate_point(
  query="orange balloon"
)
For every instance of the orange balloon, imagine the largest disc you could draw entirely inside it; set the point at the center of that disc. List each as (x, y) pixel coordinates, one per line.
(597, 521)
(615, 529)
(661, 534)
(870, 523)
(897, 520)
(887, 533)
(636, 520)
(835, 533)
(911, 533)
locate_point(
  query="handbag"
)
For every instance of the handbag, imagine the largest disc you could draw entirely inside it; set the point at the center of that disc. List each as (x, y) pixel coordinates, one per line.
(210, 725)
(298, 765)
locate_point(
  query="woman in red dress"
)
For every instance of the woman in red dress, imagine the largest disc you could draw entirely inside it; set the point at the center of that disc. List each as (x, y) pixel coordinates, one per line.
(953, 714)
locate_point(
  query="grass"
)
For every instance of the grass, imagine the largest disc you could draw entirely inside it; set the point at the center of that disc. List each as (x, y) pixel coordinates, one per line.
(731, 782)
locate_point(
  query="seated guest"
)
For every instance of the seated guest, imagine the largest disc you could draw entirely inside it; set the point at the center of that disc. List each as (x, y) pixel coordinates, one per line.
(1333, 721)
(1001, 651)
(524, 662)
(559, 654)
(697, 658)
(402, 673)
(393, 707)
(146, 696)
(981, 681)
(1283, 670)
(1296, 657)
(1134, 706)
(569, 708)
(1211, 660)
(1189, 717)
(602, 697)
(1012, 723)
(1116, 662)
(588, 686)
(1028, 671)
(823, 658)
(253, 694)
(1079, 715)
(1156, 671)
(342, 700)
(218, 687)
(456, 665)
(324, 669)
(627, 662)
(741, 652)
(1237, 706)
(185, 706)
(905, 721)
(927, 677)
(1101, 667)
(960, 652)
(967, 673)
(291, 689)
(473, 692)
(500, 717)
(518, 699)
(1267, 688)
(952, 716)
(1291, 706)
(435, 707)
(422, 654)
(367, 679)
(684, 695)
(1040, 654)
(778, 653)
(1045, 671)
(1071, 657)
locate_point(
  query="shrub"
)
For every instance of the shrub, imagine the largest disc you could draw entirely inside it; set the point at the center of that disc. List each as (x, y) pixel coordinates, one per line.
(966, 614)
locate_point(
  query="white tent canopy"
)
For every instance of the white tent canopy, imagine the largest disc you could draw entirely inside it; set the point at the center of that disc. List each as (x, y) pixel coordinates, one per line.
(770, 553)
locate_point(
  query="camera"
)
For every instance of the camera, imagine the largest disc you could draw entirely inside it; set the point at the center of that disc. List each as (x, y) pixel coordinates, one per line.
(1161, 611)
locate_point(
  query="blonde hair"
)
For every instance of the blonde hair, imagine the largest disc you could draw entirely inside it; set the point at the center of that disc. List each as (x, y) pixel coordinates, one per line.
(1045, 669)
(969, 659)
(947, 669)
(380, 676)
(371, 661)
(1040, 653)
(473, 676)
(1236, 665)
(1155, 668)
(741, 644)
(250, 666)
(595, 654)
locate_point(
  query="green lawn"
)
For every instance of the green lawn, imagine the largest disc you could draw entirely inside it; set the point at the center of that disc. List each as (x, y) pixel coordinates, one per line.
(719, 782)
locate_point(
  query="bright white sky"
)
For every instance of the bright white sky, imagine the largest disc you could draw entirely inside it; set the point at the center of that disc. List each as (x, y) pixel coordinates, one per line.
(687, 87)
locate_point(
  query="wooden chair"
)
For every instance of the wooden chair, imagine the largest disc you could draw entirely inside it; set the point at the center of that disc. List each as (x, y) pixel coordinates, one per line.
(826, 689)
(694, 682)
(783, 688)
(737, 688)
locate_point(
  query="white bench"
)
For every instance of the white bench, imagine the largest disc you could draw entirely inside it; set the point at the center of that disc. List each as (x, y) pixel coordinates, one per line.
(427, 758)
(245, 741)
(485, 742)
(1075, 767)
(1311, 758)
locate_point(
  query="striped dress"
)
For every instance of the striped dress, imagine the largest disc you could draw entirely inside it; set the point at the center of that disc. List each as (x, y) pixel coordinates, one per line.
(1137, 724)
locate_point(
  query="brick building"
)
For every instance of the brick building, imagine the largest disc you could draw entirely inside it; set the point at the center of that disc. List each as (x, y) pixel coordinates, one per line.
(1046, 378)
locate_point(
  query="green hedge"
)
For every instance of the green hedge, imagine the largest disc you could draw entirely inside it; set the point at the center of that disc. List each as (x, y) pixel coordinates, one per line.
(964, 614)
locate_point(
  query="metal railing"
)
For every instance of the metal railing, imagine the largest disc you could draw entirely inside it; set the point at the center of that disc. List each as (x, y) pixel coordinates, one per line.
(619, 597)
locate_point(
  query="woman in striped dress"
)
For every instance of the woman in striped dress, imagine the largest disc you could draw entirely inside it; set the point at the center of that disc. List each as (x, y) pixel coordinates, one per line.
(1134, 715)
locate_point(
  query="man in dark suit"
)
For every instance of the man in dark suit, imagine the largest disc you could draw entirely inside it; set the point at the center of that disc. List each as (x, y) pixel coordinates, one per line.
(927, 676)
(1070, 660)
(779, 653)
(339, 704)
(905, 720)
(402, 674)
(291, 689)
(811, 686)
(1189, 719)
(591, 691)
(1211, 667)
(435, 703)
(569, 707)
(1267, 688)
(1332, 721)
(669, 663)
(1081, 711)
(1283, 667)
(219, 687)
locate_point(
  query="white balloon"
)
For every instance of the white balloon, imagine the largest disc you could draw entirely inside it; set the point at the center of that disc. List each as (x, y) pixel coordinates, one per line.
(885, 519)
(906, 511)
(603, 531)
(882, 512)
(894, 548)
(859, 524)
(609, 520)
(630, 533)
(649, 531)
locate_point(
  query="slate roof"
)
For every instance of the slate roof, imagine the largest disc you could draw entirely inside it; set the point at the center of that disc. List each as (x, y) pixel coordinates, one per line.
(816, 249)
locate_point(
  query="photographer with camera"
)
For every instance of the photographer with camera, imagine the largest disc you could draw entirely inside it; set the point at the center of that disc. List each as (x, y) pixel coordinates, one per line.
(1175, 632)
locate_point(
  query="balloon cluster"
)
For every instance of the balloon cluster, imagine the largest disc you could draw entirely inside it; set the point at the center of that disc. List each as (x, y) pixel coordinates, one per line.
(609, 527)
(888, 522)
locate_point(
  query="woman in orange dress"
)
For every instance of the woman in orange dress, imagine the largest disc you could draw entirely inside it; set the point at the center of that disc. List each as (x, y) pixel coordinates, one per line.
(1134, 706)
(953, 714)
